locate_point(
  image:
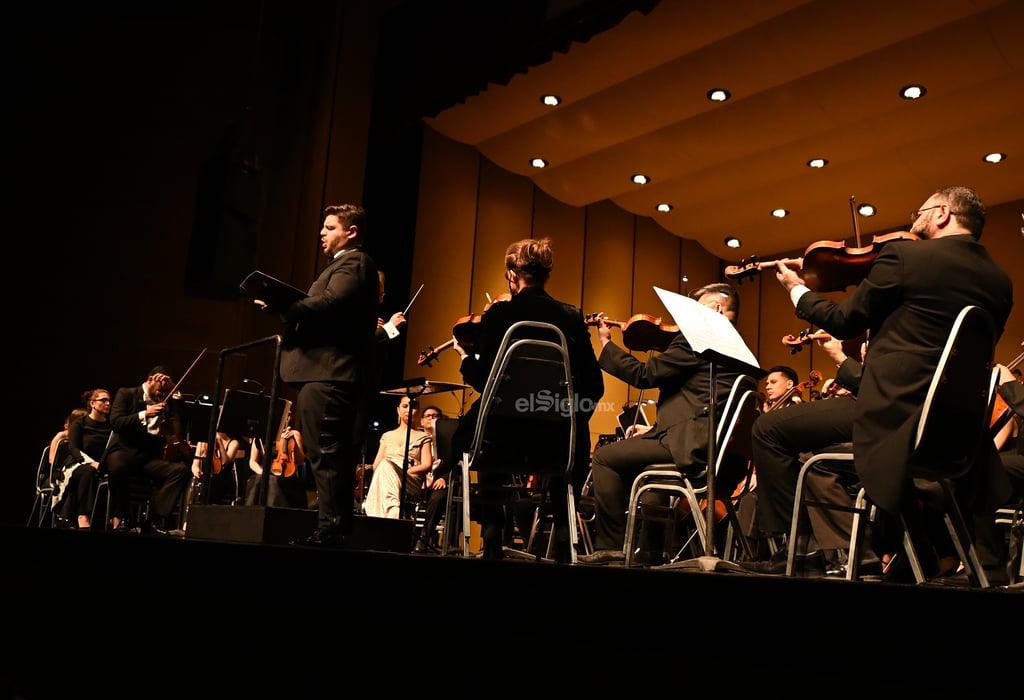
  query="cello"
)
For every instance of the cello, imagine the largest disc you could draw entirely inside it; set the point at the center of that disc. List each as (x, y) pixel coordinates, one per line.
(827, 266)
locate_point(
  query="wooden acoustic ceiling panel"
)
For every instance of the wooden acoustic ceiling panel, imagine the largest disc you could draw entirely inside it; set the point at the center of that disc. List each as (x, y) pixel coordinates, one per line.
(808, 78)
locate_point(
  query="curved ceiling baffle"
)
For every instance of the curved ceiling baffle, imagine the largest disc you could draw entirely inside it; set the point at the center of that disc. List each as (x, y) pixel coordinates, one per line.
(808, 79)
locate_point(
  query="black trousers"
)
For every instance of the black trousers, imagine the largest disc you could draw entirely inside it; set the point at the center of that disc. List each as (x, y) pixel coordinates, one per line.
(328, 413)
(778, 437)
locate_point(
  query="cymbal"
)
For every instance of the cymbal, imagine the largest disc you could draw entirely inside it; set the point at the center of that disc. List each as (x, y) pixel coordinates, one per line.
(419, 387)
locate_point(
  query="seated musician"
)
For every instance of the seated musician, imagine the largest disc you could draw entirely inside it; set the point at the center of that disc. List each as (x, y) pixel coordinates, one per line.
(401, 450)
(780, 387)
(147, 441)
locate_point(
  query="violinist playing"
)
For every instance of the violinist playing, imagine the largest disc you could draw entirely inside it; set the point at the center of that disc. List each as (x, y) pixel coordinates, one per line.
(679, 434)
(528, 265)
(145, 423)
(907, 303)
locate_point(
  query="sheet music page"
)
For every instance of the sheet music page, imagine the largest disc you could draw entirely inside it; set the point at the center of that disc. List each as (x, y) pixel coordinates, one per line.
(705, 329)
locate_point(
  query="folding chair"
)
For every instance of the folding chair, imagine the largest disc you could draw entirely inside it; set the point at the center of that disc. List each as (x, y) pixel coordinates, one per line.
(41, 514)
(953, 425)
(527, 417)
(732, 449)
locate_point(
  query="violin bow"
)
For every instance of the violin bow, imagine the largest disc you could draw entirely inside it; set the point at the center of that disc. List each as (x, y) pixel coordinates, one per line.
(174, 389)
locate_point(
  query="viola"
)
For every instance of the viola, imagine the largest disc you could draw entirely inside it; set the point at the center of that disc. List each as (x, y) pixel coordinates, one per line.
(826, 266)
(466, 331)
(804, 337)
(288, 457)
(641, 333)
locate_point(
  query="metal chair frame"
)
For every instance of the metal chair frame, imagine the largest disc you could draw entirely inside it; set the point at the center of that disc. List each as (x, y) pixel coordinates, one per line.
(494, 404)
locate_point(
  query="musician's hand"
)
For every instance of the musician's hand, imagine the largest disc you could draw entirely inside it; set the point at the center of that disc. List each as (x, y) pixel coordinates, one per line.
(459, 349)
(634, 430)
(604, 331)
(439, 483)
(398, 319)
(260, 303)
(787, 276)
(833, 347)
(197, 468)
(155, 409)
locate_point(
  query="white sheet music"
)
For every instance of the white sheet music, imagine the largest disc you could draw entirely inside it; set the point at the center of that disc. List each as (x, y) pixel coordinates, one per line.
(705, 329)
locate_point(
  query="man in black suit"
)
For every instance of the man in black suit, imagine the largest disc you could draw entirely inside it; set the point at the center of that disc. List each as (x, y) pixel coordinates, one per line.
(912, 295)
(680, 433)
(147, 431)
(327, 356)
(528, 265)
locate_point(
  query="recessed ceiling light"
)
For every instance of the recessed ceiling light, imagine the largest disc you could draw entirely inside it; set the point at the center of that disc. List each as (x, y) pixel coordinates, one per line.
(913, 92)
(733, 242)
(780, 213)
(994, 157)
(866, 209)
(664, 207)
(719, 94)
(817, 163)
(551, 100)
(640, 179)
(538, 163)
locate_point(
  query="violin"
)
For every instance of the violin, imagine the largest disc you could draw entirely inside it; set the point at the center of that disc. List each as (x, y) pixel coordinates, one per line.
(288, 457)
(796, 343)
(641, 333)
(827, 266)
(466, 331)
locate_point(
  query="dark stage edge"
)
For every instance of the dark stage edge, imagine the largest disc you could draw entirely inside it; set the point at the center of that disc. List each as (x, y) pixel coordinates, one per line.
(107, 615)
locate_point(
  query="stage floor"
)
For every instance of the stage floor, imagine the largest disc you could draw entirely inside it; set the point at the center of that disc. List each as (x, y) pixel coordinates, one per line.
(113, 615)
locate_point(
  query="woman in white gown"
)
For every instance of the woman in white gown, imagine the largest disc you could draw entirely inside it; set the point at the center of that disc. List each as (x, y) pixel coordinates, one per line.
(383, 497)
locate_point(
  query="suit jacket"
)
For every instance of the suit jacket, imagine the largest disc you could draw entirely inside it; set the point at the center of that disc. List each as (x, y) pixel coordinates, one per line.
(683, 380)
(330, 333)
(908, 303)
(535, 304)
(129, 432)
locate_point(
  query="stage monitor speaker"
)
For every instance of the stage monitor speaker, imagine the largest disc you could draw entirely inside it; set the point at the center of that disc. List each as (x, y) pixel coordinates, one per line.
(382, 534)
(249, 524)
(267, 525)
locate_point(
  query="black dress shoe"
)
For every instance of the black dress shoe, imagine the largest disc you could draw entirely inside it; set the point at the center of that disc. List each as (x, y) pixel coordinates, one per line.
(425, 548)
(151, 528)
(324, 537)
(810, 564)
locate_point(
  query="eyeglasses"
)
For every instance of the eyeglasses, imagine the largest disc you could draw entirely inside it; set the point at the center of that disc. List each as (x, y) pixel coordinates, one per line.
(102, 400)
(431, 415)
(917, 212)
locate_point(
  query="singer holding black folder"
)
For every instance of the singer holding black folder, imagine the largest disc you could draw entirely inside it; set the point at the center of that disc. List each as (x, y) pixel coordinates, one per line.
(327, 356)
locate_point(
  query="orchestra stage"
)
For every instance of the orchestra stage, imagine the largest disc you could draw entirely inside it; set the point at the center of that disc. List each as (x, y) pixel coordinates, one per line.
(120, 615)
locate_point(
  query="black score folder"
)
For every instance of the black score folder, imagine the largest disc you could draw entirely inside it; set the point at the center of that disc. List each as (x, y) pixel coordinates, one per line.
(277, 295)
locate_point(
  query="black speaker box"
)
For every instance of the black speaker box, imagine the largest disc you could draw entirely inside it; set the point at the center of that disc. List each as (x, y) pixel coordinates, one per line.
(382, 534)
(250, 524)
(267, 525)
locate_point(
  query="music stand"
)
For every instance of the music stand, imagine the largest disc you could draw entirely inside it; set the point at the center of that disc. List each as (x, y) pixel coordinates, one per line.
(414, 388)
(712, 336)
(245, 414)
